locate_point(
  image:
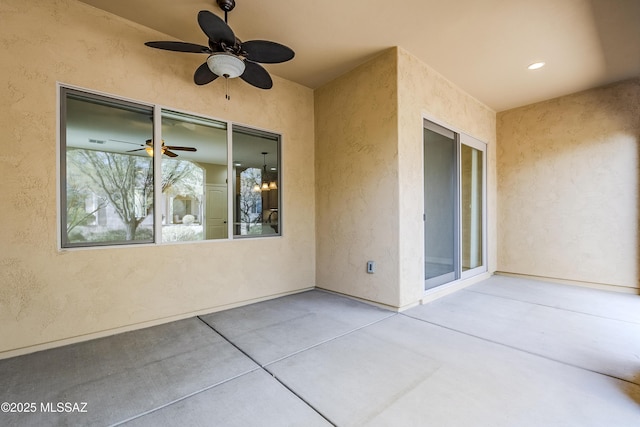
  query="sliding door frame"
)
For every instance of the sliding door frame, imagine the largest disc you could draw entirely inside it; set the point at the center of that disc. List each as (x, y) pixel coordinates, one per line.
(472, 142)
(461, 139)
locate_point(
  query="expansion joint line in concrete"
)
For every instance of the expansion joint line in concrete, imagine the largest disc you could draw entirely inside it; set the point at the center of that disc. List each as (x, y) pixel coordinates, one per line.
(519, 349)
(270, 373)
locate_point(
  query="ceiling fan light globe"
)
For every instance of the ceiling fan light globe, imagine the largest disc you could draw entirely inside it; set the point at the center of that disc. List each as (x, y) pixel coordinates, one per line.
(225, 65)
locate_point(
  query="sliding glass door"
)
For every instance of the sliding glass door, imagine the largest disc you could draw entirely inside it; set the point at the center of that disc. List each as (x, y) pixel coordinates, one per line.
(472, 209)
(440, 207)
(454, 205)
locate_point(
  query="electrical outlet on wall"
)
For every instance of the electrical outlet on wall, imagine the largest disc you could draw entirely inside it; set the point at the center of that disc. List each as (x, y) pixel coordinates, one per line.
(371, 267)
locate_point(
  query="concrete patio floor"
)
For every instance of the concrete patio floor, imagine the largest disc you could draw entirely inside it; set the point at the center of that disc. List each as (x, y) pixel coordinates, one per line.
(504, 352)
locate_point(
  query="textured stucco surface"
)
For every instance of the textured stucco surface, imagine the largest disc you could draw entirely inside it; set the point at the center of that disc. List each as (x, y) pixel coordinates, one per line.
(568, 187)
(369, 170)
(422, 91)
(48, 295)
(357, 181)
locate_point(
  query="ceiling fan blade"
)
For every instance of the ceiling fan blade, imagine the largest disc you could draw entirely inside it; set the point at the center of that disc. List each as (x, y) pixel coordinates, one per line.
(133, 151)
(179, 47)
(172, 147)
(267, 52)
(169, 153)
(256, 75)
(203, 75)
(215, 28)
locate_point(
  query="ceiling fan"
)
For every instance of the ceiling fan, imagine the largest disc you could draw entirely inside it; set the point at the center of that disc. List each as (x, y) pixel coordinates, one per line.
(165, 149)
(229, 57)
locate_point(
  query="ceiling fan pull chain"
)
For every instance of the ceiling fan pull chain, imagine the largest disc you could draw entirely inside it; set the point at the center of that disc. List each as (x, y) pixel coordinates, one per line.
(226, 95)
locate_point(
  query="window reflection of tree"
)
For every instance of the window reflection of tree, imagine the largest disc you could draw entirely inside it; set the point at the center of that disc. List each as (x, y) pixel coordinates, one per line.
(250, 203)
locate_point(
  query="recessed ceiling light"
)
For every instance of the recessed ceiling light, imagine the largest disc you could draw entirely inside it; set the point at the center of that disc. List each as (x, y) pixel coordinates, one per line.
(536, 65)
(237, 164)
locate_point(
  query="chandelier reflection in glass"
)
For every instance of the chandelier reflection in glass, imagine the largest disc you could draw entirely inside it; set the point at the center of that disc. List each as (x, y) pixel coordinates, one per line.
(267, 184)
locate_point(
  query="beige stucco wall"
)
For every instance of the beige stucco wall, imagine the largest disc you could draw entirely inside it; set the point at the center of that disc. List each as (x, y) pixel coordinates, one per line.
(568, 187)
(357, 181)
(47, 295)
(423, 92)
(369, 173)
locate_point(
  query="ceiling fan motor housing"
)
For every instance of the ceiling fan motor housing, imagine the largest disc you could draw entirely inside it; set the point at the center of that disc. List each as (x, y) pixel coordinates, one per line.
(227, 5)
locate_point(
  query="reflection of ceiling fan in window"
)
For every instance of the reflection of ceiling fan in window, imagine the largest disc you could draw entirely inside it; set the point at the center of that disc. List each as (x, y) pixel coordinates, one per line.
(165, 149)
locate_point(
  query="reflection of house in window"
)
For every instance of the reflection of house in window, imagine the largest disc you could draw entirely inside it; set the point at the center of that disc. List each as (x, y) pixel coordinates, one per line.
(102, 216)
(184, 191)
(185, 205)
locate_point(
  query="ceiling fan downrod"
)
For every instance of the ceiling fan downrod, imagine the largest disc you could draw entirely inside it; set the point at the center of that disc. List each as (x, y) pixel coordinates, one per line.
(227, 6)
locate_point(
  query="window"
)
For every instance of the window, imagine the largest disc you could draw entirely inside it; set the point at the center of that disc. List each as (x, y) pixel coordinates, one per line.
(107, 196)
(193, 201)
(256, 166)
(115, 191)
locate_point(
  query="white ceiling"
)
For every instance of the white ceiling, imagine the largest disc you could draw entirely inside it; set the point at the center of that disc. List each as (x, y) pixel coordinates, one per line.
(483, 46)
